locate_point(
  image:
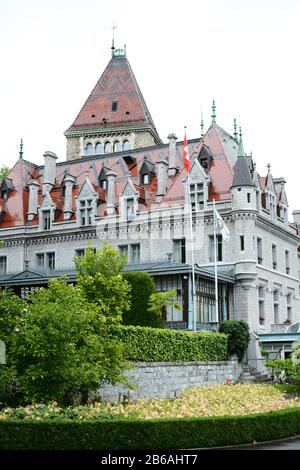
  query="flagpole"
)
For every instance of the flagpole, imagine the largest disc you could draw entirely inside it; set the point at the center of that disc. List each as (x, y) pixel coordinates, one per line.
(192, 250)
(216, 267)
(192, 253)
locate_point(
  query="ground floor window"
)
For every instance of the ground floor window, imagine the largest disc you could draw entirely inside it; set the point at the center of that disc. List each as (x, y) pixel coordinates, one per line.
(167, 283)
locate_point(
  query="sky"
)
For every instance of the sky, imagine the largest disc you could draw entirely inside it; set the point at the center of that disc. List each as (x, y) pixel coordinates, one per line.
(244, 54)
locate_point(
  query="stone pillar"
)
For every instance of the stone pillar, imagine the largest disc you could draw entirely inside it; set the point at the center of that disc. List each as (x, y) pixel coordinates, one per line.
(49, 171)
(68, 198)
(111, 193)
(172, 170)
(162, 177)
(33, 200)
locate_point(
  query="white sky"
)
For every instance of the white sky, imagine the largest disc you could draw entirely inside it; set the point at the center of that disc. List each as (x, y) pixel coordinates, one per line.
(242, 53)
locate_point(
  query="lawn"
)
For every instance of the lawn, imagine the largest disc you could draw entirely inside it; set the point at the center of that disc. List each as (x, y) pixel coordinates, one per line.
(215, 400)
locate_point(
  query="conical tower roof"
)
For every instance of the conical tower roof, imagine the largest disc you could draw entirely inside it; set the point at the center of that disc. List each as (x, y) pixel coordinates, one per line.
(115, 102)
(242, 176)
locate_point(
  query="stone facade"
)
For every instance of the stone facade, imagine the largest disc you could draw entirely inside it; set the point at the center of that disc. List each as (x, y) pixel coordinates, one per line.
(169, 379)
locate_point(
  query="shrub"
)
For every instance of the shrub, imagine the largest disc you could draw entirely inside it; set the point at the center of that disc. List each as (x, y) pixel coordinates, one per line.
(118, 434)
(238, 337)
(159, 345)
(142, 287)
(61, 345)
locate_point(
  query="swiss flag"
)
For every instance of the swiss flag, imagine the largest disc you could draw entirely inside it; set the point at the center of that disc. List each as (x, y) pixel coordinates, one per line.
(186, 156)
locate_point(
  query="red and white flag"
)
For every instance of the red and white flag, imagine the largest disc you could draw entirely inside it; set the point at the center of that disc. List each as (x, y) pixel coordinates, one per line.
(186, 155)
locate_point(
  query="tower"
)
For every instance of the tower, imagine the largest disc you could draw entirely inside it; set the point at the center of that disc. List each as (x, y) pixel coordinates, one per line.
(115, 116)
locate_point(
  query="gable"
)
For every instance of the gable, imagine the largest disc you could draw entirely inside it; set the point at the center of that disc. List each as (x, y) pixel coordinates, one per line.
(87, 190)
(47, 202)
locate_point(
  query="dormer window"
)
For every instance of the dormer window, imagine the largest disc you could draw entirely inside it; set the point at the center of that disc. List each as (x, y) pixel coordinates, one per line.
(145, 178)
(46, 220)
(86, 212)
(130, 208)
(99, 148)
(103, 184)
(197, 196)
(114, 106)
(89, 149)
(4, 195)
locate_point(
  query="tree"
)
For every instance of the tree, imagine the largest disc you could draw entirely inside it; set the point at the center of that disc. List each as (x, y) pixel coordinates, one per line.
(238, 337)
(160, 301)
(4, 170)
(61, 345)
(99, 276)
(142, 286)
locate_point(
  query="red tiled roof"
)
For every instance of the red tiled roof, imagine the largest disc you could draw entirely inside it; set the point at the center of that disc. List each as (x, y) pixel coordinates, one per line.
(117, 84)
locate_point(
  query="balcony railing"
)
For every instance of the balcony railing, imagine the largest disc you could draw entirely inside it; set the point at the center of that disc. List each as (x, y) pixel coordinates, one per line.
(278, 327)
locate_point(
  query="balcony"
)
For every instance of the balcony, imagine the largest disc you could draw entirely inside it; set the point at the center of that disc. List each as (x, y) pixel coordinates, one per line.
(278, 327)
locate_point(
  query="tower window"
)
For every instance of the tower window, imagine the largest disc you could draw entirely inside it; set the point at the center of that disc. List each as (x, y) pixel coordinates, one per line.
(117, 146)
(107, 147)
(89, 149)
(99, 149)
(145, 178)
(126, 145)
(242, 242)
(248, 198)
(114, 106)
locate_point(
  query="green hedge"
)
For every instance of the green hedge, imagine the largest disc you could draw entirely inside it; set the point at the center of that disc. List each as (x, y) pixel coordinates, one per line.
(148, 434)
(158, 345)
(142, 286)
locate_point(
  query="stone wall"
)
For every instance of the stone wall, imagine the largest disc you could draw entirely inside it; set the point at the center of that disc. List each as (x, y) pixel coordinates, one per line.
(168, 379)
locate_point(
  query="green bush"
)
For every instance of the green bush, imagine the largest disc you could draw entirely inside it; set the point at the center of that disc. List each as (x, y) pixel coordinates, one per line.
(120, 434)
(238, 337)
(159, 345)
(142, 286)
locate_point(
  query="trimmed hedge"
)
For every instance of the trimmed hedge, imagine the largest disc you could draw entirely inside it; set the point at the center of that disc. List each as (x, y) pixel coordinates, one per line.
(142, 286)
(148, 434)
(144, 344)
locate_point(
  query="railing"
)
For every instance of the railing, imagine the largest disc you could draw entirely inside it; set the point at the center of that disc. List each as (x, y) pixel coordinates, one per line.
(181, 325)
(278, 327)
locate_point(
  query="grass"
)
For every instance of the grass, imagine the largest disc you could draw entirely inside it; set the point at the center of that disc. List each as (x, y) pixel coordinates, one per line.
(215, 400)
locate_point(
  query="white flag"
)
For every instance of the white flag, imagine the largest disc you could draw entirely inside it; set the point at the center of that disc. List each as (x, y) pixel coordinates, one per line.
(222, 226)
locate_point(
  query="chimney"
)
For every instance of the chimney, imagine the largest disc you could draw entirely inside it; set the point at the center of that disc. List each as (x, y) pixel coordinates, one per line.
(172, 170)
(162, 177)
(33, 200)
(49, 171)
(68, 183)
(111, 192)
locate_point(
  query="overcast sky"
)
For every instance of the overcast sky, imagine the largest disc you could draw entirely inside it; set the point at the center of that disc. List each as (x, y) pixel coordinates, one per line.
(242, 53)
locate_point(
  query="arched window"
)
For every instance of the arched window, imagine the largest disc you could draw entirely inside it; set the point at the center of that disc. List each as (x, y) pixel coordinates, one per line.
(117, 146)
(89, 149)
(126, 145)
(99, 149)
(107, 147)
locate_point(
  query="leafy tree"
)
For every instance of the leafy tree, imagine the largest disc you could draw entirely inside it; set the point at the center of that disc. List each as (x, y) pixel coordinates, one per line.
(4, 170)
(238, 337)
(142, 286)
(160, 301)
(61, 345)
(11, 310)
(99, 276)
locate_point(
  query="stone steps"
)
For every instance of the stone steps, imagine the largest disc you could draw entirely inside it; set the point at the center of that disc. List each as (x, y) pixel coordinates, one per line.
(251, 375)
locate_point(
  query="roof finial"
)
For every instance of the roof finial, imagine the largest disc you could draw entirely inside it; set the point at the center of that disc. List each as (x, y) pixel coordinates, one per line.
(269, 167)
(240, 133)
(113, 39)
(202, 125)
(241, 152)
(235, 134)
(213, 109)
(21, 150)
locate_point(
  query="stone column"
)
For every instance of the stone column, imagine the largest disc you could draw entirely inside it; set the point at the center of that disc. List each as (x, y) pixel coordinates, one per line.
(162, 177)
(111, 193)
(68, 199)
(49, 171)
